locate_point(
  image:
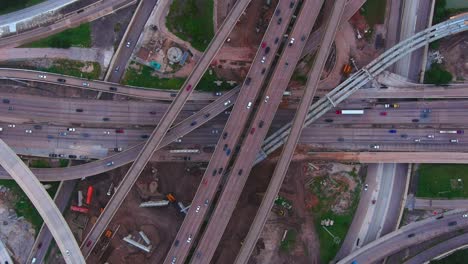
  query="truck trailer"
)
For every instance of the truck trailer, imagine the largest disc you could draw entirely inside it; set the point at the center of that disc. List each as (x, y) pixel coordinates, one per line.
(350, 112)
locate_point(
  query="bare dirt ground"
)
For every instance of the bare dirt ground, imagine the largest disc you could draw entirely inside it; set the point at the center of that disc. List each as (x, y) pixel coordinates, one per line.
(16, 233)
(455, 52)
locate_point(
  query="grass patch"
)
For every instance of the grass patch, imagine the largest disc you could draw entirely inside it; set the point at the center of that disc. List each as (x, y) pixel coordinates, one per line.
(442, 13)
(75, 68)
(327, 198)
(73, 37)
(39, 164)
(207, 84)
(289, 241)
(23, 206)
(63, 163)
(458, 257)
(192, 21)
(143, 78)
(12, 6)
(374, 12)
(441, 181)
(437, 75)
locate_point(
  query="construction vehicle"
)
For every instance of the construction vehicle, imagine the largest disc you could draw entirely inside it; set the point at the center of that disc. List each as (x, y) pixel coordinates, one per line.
(108, 233)
(347, 69)
(79, 209)
(89, 195)
(171, 197)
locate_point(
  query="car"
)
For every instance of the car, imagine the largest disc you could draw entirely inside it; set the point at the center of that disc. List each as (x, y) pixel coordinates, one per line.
(249, 105)
(152, 113)
(291, 5)
(198, 209)
(214, 131)
(174, 259)
(247, 80)
(72, 156)
(53, 155)
(105, 119)
(277, 12)
(79, 110)
(50, 137)
(38, 127)
(63, 134)
(240, 172)
(173, 94)
(144, 136)
(189, 87)
(225, 134)
(6, 101)
(193, 123)
(67, 252)
(220, 170)
(88, 243)
(260, 124)
(392, 131)
(375, 146)
(303, 37)
(227, 102)
(61, 80)
(83, 157)
(263, 45)
(279, 21)
(10, 108)
(71, 129)
(225, 147)
(218, 93)
(366, 186)
(452, 223)
(465, 215)
(263, 71)
(439, 217)
(291, 42)
(460, 131)
(110, 163)
(276, 40)
(117, 69)
(454, 141)
(228, 152)
(118, 149)
(252, 130)
(340, 139)
(329, 120)
(11, 125)
(176, 243)
(206, 202)
(427, 111)
(404, 136)
(417, 140)
(85, 84)
(106, 132)
(119, 131)
(128, 44)
(178, 140)
(28, 131)
(383, 113)
(189, 239)
(266, 99)
(267, 50)
(415, 120)
(411, 235)
(391, 105)
(430, 136)
(113, 89)
(42, 76)
(263, 59)
(227, 112)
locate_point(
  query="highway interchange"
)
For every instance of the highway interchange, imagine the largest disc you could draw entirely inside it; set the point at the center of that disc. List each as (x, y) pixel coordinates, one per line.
(243, 124)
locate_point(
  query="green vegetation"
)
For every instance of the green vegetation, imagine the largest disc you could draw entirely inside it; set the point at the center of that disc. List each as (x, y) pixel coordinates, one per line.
(39, 164)
(117, 27)
(63, 163)
(143, 78)
(374, 12)
(11, 6)
(207, 84)
(299, 77)
(23, 205)
(289, 241)
(458, 257)
(192, 21)
(89, 70)
(74, 37)
(437, 75)
(328, 197)
(442, 13)
(441, 181)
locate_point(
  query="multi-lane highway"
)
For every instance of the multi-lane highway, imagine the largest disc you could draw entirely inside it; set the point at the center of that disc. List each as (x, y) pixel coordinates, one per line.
(44, 205)
(232, 132)
(4, 254)
(296, 128)
(158, 134)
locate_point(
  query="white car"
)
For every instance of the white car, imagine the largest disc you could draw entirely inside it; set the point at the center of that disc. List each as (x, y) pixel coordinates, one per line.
(430, 136)
(108, 164)
(106, 132)
(291, 41)
(178, 140)
(71, 129)
(173, 260)
(465, 215)
(198, 209)
(85, 84)
(28, 131)
(263, 59)
(227, 102)
(128, 44)
(42, 76)
(366, 186)
(454, 141)
(417, 140)
(266, 98)
(249, 105)
(375, 146)
(11, 125)
(189, 239)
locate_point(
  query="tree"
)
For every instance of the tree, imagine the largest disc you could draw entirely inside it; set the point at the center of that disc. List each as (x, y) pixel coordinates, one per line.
(437, 75)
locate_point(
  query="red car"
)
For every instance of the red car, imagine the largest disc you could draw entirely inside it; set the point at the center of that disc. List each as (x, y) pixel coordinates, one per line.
(189, 87)
(119, 131)
(383, 113)
(88, 243)
(263, 45)
(252, 130)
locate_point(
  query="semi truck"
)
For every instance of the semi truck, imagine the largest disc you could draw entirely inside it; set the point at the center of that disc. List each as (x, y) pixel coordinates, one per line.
(451, 131)
(350, 112)
(79, 209)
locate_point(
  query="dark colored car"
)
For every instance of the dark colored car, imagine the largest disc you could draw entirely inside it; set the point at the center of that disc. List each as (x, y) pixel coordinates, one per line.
(173, 94)
(53, 155)
(411, 235)
(144, 136)
(247, 81)
(79, 110)
(72, 156)
(6, 101)
(277, 12)
(119, 131)
(252, 130)
(329, 120)
(61, 80)
(263, 71)
(50, 137)
(240, 172)
(152, 113)
(280, 20)
(38, 127)
(404, 136)
(303, 38)
(228, 152)
(85, 135)
(214, 172)
(207, 115)
(189, 87)
(392, 131)
(220, 170)
(340, 139)
(225, 147)
(276, 40)
(105, 119)
(415, 120)
(291, 5)
(225, 135)
(193, 123)
(176, 243)
(439, 217)
(113, 89)
(452, 223)
(260, 124)
(267, 50)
